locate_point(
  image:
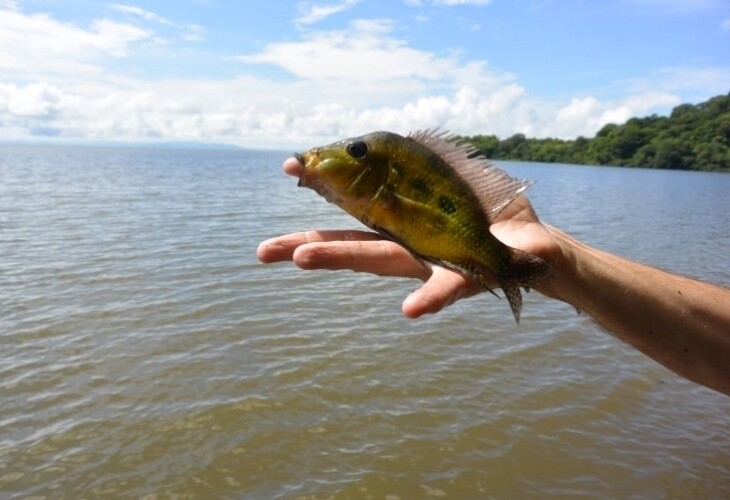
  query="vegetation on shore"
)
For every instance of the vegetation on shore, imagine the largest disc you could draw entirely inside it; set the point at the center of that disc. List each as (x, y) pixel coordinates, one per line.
(693, 137)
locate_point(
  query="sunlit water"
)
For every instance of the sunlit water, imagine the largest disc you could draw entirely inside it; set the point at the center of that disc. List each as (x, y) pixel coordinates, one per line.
(146, 353)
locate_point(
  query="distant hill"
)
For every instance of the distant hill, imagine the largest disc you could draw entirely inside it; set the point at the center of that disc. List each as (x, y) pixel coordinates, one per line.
(693, 137)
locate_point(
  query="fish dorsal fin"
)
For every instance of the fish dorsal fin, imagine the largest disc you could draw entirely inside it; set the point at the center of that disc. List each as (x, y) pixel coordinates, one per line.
(494, 188)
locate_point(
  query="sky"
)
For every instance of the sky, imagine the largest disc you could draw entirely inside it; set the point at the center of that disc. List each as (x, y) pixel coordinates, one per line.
(296, 74)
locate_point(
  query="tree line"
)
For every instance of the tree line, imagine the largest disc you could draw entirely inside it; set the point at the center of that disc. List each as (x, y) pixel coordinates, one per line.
(692, 137)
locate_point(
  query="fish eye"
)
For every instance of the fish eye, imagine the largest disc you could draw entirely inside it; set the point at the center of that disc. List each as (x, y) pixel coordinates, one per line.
(357, 149)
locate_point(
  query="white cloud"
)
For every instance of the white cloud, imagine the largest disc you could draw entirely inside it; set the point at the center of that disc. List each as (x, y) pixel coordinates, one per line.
(144, 14)
(363, 52)
(693, 83)
(585, 116)
(115, 38)
(314, 13)
(637, 105)
(65, 48)
(366, 65)
(254, 112)
(191, 32)
(34, 100)
(578, 113)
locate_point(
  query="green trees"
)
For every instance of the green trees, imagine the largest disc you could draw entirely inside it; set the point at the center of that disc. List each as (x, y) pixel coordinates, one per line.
(693, 137)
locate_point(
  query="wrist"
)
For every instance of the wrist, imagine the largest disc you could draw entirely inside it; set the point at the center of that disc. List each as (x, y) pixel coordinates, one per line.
(565, 260)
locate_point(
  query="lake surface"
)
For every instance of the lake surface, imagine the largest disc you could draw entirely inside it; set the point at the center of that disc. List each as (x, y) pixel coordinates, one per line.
(146, 353)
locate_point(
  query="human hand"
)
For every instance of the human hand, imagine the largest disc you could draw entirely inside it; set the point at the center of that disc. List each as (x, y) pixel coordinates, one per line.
(363, 251)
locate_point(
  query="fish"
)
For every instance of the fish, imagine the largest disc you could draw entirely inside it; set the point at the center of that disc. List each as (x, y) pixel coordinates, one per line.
(434, 194)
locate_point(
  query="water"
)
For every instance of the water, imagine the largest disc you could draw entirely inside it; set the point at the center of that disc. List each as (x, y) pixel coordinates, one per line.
(146, 353)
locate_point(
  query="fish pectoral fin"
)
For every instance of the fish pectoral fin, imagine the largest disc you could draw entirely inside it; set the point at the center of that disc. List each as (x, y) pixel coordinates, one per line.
(388, 197)
(426, 212)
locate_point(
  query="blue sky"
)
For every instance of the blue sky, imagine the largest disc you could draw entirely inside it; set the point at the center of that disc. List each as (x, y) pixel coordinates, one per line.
(292, 74)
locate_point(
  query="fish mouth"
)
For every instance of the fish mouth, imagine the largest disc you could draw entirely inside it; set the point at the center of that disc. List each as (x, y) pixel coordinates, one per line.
(303, 160)
(309, 161)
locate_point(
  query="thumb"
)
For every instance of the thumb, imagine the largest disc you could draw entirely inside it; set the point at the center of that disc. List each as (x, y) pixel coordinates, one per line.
(443, 288)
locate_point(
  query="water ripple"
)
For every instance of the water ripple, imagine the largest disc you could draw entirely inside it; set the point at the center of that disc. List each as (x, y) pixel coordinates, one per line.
(147, 354)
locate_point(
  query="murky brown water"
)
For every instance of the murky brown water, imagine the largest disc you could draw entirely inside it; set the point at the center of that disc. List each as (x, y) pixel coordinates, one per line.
(145, 352)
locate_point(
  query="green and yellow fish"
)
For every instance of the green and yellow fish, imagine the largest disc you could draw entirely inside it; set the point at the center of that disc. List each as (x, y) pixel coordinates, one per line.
(431, 193)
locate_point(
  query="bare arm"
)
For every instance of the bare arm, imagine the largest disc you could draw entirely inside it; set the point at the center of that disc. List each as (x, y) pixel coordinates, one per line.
(682, 323)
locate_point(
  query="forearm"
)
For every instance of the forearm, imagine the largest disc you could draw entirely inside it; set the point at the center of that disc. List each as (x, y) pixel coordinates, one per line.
(682, 323)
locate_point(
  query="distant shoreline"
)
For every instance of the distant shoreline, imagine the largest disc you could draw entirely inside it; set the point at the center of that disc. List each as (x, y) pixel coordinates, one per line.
(693, 137)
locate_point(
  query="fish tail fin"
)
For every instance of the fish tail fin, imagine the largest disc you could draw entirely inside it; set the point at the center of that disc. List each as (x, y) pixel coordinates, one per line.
(525, 270)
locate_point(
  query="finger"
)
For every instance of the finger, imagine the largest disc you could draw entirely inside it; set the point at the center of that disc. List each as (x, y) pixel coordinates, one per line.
(381, 257)
(282, 248)
(443, 288)
(292, 166)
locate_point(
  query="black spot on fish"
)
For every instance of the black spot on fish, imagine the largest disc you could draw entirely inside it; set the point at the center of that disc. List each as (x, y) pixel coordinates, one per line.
(447, 205)
(396, 168)
(420, 185)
